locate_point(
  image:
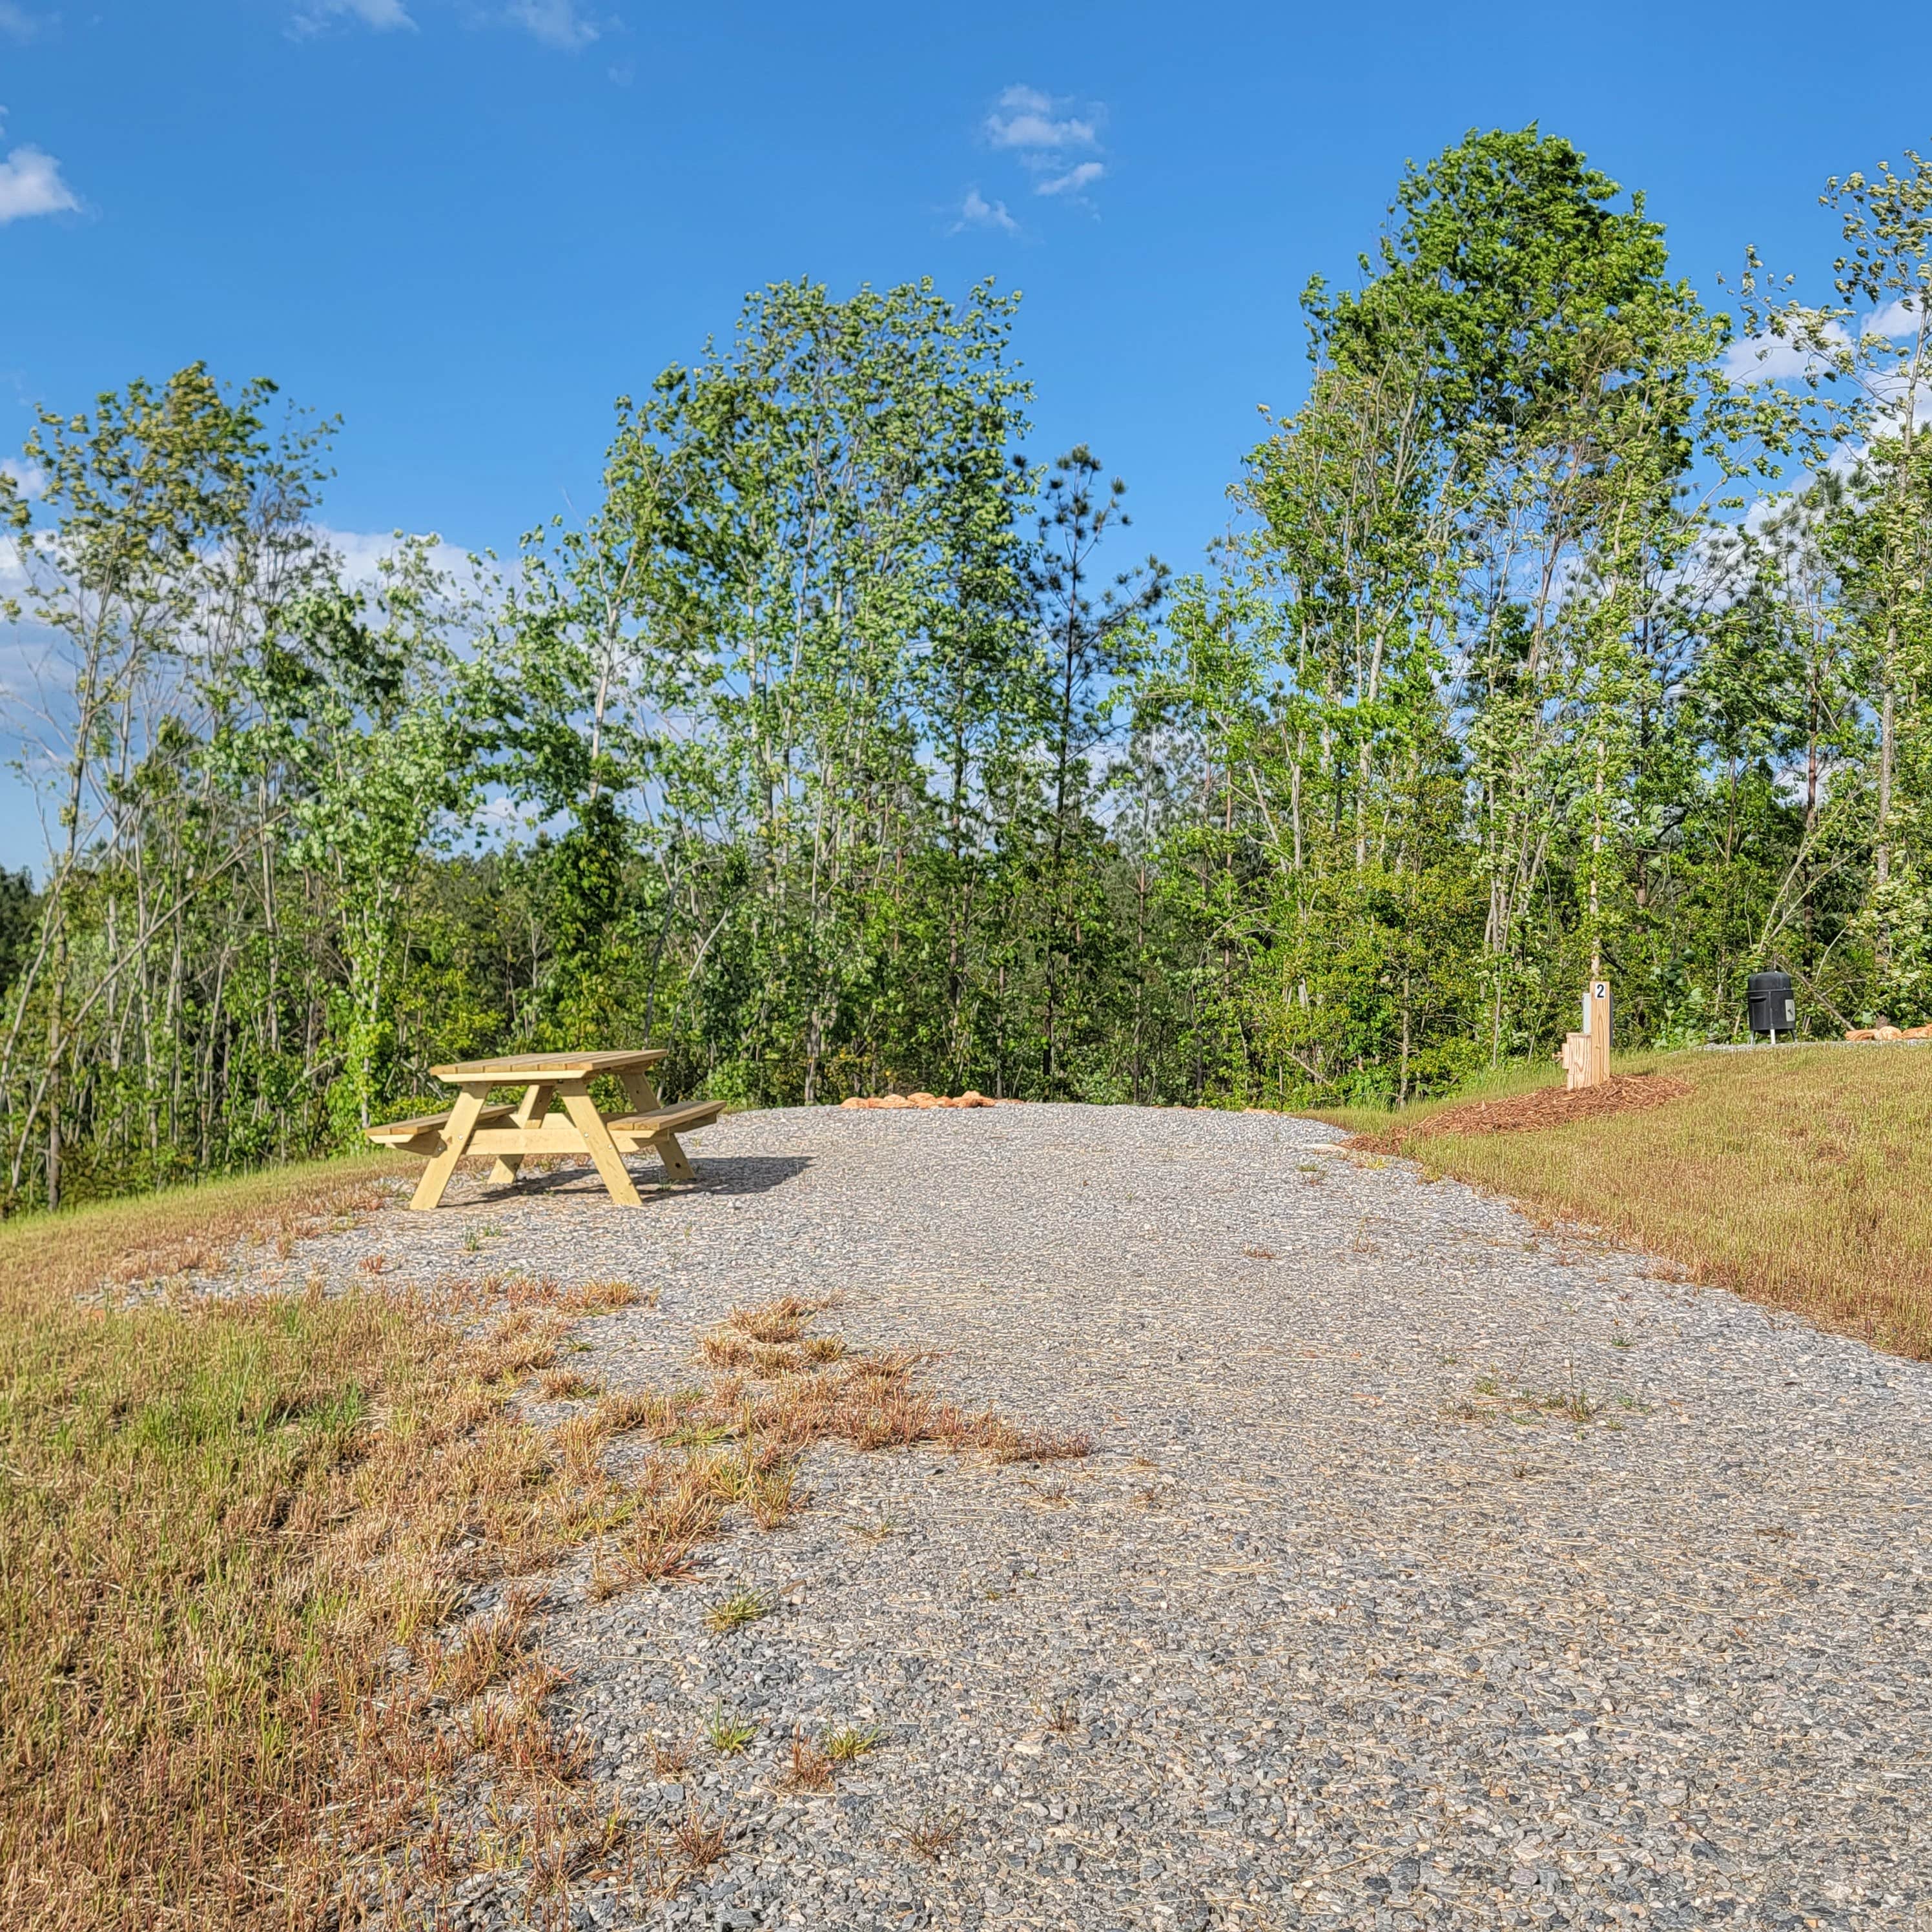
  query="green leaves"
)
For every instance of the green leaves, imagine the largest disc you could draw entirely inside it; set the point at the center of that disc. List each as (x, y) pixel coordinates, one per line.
(858, 753)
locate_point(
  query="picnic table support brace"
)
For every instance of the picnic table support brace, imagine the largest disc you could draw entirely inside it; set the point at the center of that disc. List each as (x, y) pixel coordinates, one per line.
(530, 1113)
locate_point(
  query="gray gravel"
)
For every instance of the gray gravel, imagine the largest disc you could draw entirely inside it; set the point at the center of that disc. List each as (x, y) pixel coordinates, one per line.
(1428, 1570)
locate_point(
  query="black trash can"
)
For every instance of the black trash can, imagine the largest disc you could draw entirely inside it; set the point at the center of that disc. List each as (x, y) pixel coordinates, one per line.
(1773, 1008)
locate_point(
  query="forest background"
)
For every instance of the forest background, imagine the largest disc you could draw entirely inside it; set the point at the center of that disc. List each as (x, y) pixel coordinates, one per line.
(844, 745)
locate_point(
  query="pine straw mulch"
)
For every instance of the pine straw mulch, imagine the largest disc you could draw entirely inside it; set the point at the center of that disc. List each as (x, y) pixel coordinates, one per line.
(1546, 1107)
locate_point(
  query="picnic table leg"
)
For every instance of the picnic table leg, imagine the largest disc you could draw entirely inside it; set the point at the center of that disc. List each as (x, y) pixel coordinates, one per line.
(578, 1103)
(530, 1111)
(677, 1162)
(641, 1091)
(463, 1118)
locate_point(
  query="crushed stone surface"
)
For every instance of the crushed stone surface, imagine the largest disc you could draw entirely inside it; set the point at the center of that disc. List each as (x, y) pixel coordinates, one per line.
(1428, 1570)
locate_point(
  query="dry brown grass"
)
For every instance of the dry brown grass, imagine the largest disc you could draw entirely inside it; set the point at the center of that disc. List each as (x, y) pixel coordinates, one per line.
(785, 1320)
(221, 1516)
(700, 1838)
(931, 1837)
(225, 1520)
(174, 1665)
(567, 1385)
(1797, 1178)
(810, 1769)
(738, 1444)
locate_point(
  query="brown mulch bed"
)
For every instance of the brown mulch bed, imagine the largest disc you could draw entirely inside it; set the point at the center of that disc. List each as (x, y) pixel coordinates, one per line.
(1547, 1107)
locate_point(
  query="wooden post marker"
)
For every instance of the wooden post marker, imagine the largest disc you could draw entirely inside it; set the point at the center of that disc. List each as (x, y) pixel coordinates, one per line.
(1586, 1055)
(1597, 1026)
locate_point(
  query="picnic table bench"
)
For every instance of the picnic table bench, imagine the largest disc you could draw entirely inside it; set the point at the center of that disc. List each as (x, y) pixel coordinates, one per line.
(509, 1130)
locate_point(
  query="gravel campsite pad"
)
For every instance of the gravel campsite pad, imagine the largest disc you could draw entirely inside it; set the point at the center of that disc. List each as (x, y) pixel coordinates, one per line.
(1425, 1569)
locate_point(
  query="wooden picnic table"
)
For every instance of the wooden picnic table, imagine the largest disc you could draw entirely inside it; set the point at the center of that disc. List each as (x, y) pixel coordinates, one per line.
(510, 1130)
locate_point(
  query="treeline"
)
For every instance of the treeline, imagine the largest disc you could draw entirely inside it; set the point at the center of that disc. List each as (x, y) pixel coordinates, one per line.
(842, 745)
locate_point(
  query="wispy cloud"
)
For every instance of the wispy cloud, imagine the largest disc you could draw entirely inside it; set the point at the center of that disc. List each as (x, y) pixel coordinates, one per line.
(383, 16)
(1778, 358)
(31, 184)
(19, 25)
(977, 211)
(1024, 118)
(1075, 180)
(1056, 140)
(556, 23)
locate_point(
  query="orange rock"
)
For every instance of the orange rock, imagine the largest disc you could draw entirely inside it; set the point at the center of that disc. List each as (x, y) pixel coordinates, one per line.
(972, 1097)
(1918, 1033)
(1860, 1033)
(1887, 1033)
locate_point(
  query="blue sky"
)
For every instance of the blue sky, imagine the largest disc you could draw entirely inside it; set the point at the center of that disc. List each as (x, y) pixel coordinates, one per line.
(466, 225)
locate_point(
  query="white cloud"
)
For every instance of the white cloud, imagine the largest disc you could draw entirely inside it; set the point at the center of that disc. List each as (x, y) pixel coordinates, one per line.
(18, 22)
(977, 211)
(1780, 358)
(363, 552)
(470, 576)
(1076, 179)
(28, 478)
(1894, 319)
(31, 184)
(1890, 391)
(384, 16)
(1051, 138)
(1777, 359)
(1025, 118)
(556, 23)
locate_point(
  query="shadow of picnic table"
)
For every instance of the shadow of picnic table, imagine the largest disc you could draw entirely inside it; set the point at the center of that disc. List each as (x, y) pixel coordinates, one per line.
(717, 1174)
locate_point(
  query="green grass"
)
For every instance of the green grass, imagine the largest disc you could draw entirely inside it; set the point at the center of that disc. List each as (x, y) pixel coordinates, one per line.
(727, 1733)
(1797, 1176)
(734, 1612)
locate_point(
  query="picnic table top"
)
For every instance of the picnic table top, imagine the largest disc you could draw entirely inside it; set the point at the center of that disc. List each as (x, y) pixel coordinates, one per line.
(548, 1066)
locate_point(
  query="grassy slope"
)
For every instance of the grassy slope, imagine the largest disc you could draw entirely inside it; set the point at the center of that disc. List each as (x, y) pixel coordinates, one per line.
(167, 1651)
(162, 1234)
(217, 1516)
(1797, 1176)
